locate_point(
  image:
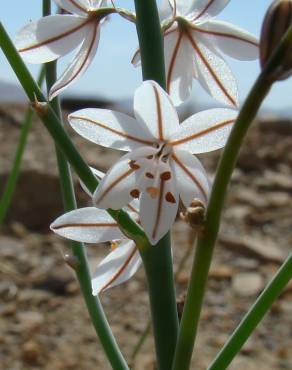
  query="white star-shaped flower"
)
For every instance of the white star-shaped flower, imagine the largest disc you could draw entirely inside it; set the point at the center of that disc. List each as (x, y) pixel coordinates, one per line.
(193, 43)
(159, 167)
(92, 225)
(54, 36)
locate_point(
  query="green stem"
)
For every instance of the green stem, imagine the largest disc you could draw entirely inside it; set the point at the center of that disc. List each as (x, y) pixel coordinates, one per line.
(93, 304)
(14, 173)
(158, 268)
(253, 316)
(52, 123)
(157, 260)
(206, 243)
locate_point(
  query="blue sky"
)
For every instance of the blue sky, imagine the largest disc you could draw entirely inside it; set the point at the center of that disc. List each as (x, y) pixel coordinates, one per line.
(111, 73)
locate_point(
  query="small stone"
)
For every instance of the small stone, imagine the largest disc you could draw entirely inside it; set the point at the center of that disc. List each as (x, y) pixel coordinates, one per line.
(221, 272)
(31, 320)
(247, 284)
(31, 352)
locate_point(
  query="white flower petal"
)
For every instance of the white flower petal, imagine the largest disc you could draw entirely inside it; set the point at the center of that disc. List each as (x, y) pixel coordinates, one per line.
(165, 9)
(80, 63)
(136, 59)
(97, 174)
(74, 6)
(191, 178)
(231, 40)
(119, 186)
(119, 266)
(205, 131)
(179, 65)
(159, 204)
(88, 225)
(109, 128)
(213, 72)
(154, 109)
(51, 37)
(205, 8)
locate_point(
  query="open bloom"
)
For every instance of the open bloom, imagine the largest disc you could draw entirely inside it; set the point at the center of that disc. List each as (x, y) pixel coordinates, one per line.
(160, 166)
(52, 37)
(92, 225)
(193, 43)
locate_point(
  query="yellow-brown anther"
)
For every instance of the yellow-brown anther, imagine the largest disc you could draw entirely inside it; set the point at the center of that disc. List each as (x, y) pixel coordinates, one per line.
(277, 21)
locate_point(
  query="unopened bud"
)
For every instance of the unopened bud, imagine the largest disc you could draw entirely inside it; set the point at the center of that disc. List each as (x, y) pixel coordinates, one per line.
(71, 261)
(277, 21)
(194, 215)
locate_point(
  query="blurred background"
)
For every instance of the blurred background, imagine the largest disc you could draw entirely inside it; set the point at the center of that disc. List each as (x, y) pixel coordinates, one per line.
(43, 322)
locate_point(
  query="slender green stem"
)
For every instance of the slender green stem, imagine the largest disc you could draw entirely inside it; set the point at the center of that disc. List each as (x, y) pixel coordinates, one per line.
(253, 316)
(158, 268)
(157, 260)
(93, 304)
(14, 173)
(146, 331)
(206, 243)
(52, 123)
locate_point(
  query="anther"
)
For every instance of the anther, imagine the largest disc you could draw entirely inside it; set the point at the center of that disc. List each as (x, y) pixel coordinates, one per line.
(135, 193)
(133, 165)
(169, 197)
(165, 176)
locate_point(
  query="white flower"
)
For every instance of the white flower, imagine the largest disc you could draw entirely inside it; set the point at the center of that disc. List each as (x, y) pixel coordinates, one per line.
(53, 36)
(193, 43)
(92, 225)
(160, 166)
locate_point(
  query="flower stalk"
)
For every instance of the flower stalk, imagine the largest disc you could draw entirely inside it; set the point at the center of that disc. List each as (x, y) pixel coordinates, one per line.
(82, 271)
(14, 174)
(157, 260)
(206, 242)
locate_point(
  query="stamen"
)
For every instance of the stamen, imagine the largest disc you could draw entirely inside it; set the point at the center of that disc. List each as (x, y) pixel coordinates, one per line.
(149, 175)
(135, 193)
(165, 176)
(169, 197)
(114, 245)
(153, 191)
(134, 165)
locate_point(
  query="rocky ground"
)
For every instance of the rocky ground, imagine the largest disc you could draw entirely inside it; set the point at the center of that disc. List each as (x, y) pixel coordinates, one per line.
(43, 322)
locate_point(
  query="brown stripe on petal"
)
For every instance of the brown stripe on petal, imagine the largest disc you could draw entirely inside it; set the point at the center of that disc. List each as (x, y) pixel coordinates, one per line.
(113, 184)
(56, 38)
(204, 10)
(82, 64)
(192, 177)
(202, 133)
(159, 114)
(96, 224)
(73, 2)
(120, 133)
(172, 61)
(224, 34)
(120, 270)
(209, 68)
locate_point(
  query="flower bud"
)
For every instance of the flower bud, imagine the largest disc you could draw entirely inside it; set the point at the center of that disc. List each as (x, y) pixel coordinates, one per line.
(194, 215)
(277, 21)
